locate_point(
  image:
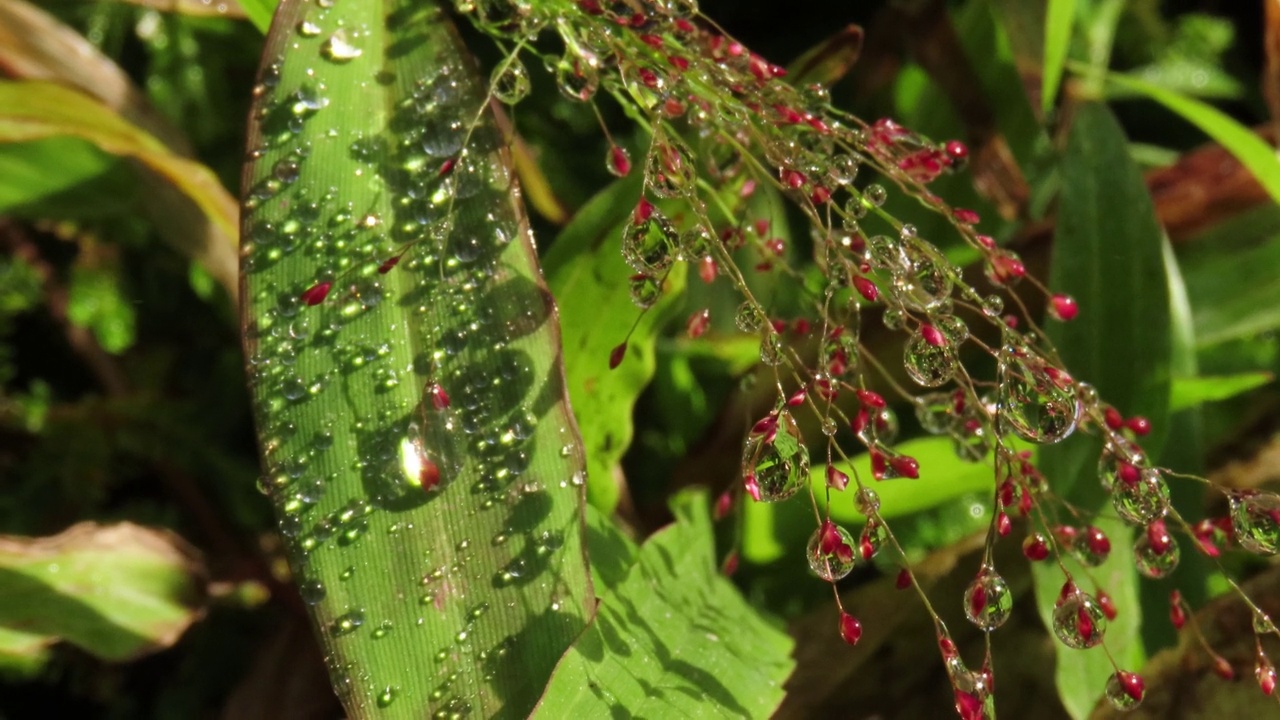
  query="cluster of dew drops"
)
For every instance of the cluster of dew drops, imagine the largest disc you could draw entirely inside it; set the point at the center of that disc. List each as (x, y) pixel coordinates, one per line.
(722, 121)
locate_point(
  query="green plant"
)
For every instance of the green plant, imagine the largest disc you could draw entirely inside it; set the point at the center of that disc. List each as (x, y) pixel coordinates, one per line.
(409, 386)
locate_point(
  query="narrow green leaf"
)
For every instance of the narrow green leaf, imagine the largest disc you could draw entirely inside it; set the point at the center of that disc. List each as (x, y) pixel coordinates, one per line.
(1192, 391)
(1059, 21)
(115, 591)
(675, 639)
(1108, 255)
(62, 177)
(1231, 280)
(259, 12)
(589, 279)
(1252, 151)
(36, 110)
(418, 448)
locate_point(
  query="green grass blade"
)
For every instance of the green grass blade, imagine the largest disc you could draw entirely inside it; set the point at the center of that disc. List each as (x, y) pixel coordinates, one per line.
(1059, 21)
(1252, 151)
(453, 600)
(675, 639)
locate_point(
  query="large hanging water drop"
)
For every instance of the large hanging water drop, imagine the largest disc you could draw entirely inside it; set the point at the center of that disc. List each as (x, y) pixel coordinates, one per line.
(830, 552)
(1142, 499)
(930, 357)
(1156, 553)
(1036, 402)
(648, 243)
(988, 601)
(1125, 690)
(1079, 621)
(775, 459)
(510, 81)
(1256, 520)
(669, 171)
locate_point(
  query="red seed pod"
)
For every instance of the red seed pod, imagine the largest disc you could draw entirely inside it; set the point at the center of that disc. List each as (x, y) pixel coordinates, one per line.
(933, 335)
(730, 565)
(1139, 425)
(871, 399)
(1133, 685)
(866, 288)
(1003, 524)
(644, 210)
(316, 294)
(1113, 418)
(1063, 307)
(1177, 611)
(724, 505)
(836, 479)
(903, 581)
(439, 398)
(1107, 604)
(1035, 547)
(850, 628)
(389, 263)
(1265, 672)
(617, 354)
(1223, 669)
(966, 216)
(752, 487)
(906, 466)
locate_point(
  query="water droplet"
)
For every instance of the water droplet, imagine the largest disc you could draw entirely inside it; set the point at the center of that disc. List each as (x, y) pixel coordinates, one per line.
(1141, 500)
(346, 623)
(386, 697)
(867, 501)
(875, 194)
(1079, 621)
(648, 243)
(1156, 553)
(338, 49)
(510, 81)
(1036, 402)
(776, 460)
(1125, 690)
(312, 591)
(987, 600)
(383, 629)
(873, 536)
(645, 290)
(578, 76)
(1256, 520)
(928, 363)
(669, 171)
(830, 552)
(1091, 547)
(748, 318)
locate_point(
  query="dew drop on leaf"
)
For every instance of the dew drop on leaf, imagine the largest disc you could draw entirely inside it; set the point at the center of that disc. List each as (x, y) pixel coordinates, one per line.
(338, 49)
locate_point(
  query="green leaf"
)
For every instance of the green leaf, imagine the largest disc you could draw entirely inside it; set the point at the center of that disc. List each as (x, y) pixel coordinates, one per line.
(31, 111)
(449, 598)
(1188, 392)
(1108, 255)
(769, 529)
(589, 279)
(675, 639)
(1252, 151)
(1059, 21)
(259, 12)
(62, 177)
(1229, 277)
(115, 591)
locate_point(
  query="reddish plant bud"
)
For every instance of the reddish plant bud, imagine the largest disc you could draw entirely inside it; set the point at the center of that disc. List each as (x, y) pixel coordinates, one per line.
(1098, 542)
(820, 196)
(986, 241)
(1003, 524)
(1223, 669)
(777, 246)
(793, 179)
(871, 399)
(878, 462)
(730, 565)
(590, 7)
(866, 288)
(389, 263)
(684, 25)
(906, 466)
(800, 327)
(965, 216)
(1133, 685)
(1035, 547)
(947, 647)
(779, 326)
(620, 164)
(651, 40)
(1265, 672)
(724, 505)
(708, 269)
(767, 425)
(1127, 473)
(859, 423)
(1068, 591)
(1065, 535)
(447, 167)
(836, 479)
(850, 628)
(698, 322)
(1177, 611)
(617, 354)
(1107, 604)
(933, 335)
(957, 151)
(428, 476)
(644, 210)
(1113, 418)
(752, 486)
(1011, 322)
(1159, 537)
(1063, 307)
(798, 397)
(316, 294)
(748, 189)
(903, 581)
(1139, 425)
(439, 398)
(762, 226)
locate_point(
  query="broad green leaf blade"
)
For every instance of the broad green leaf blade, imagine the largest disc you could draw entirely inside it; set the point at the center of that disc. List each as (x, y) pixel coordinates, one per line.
(31, 111)
(115, 591)
(1252, 151)
(1108, 255)
(419, 450)
(1188, 392)
(589, 279)
(1230, 277)
(62, 177)
(259, 12)
(675, 639)
(1059, 21)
